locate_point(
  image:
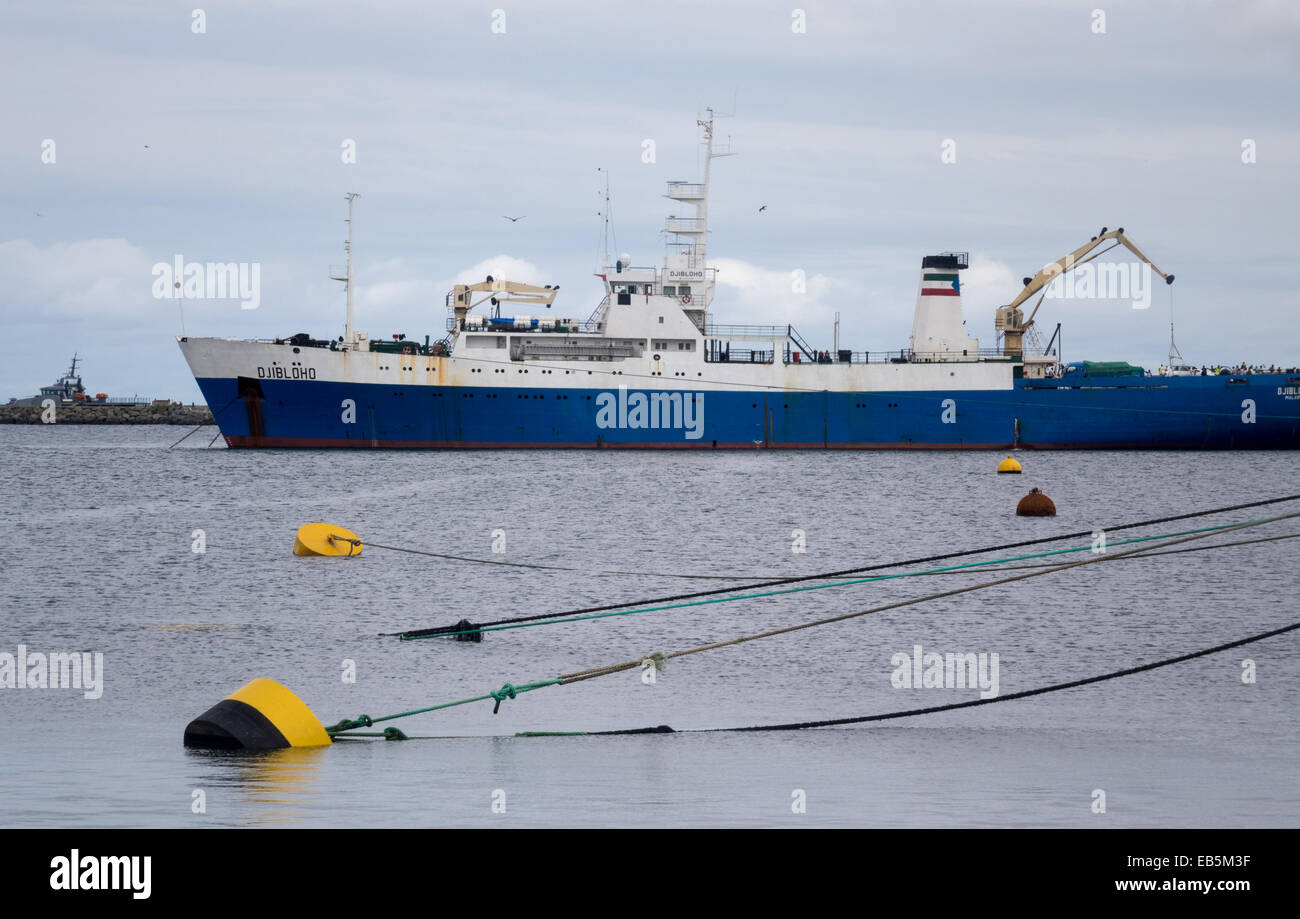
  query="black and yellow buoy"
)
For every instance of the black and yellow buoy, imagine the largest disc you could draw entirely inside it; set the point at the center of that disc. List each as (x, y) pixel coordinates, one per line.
(326, 539)
(262, 715)
(1008, 465)
(1035, 504)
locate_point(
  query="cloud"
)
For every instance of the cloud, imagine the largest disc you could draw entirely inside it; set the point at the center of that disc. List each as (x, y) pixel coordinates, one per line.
(501, 267)
(986, 285)
(753, 294)
(403, 293)
(86, 279)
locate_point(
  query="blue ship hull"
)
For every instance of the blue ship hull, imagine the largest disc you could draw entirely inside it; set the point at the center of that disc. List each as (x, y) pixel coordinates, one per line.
(1260, 411)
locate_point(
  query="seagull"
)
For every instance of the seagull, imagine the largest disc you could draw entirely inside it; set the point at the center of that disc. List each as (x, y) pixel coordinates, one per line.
(513, 219)
(146, 146)
(763, 208)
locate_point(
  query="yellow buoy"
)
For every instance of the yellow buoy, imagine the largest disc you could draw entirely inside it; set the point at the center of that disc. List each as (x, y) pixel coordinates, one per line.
(261, 715)
(1009, 465)
(326, 539)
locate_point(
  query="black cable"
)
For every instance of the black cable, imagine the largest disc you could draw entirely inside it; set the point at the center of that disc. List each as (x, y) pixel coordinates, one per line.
(1042, 690)
(488, 561)
(443, 630)
(207, 423)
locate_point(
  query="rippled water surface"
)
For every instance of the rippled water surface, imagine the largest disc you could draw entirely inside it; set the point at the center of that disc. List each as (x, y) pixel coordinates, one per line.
(96, 526)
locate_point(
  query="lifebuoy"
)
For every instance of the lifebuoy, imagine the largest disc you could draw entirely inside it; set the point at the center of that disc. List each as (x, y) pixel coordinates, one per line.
(407, 349)
(686, 298)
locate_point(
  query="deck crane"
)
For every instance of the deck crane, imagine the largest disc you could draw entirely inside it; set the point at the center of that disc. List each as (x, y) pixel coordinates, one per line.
(1009, 320)
(461, 298)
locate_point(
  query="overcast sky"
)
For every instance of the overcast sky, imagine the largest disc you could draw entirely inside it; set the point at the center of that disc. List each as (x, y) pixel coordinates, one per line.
(225, 146)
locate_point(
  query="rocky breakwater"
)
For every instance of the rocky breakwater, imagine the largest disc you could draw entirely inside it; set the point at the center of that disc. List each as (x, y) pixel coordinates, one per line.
(160, 412)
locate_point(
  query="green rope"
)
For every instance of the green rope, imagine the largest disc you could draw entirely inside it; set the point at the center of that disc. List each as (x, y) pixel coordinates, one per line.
(792, 590)
(508, 691)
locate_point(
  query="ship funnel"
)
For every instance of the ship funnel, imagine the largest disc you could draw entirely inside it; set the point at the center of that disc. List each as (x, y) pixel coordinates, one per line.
(938, 332)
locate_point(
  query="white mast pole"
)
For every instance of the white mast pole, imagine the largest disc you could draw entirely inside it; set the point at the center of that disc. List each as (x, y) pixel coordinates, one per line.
(351, 196)
(702, 209)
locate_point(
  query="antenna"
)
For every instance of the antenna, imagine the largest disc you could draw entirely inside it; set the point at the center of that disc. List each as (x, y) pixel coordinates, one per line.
(605, 212)
(1173, 348)
(710, 151)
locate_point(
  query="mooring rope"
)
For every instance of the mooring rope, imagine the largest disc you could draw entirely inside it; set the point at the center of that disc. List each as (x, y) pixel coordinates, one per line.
(594, 672)
(456, 631)
(934, 709)
(208, 423)
(488, 561)
(510, 690)
(392, 733)
(447, 631)
(1148, 554)
(467, 631)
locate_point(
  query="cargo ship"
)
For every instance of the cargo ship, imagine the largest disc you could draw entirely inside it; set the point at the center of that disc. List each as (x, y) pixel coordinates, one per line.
(650, 368)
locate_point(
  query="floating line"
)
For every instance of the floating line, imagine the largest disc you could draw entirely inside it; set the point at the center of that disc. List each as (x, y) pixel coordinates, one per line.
(488, 561)
(934, 709)
(465, 630)
(450, 630)
(594, 672)
(1150, 553)
(660, 658)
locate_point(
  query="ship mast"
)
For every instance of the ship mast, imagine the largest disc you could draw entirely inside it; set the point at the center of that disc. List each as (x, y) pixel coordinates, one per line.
(687, 258)
(346, 275)
(702, 206)
(604, 213)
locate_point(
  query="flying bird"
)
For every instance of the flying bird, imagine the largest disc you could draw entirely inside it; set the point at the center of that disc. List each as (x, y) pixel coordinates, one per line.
(763, 208)
(513, 219)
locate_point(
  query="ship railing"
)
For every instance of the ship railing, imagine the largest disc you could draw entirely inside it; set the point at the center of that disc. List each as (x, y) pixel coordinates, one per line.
(1235, 368)
(123, 400)
(561, 326)
(722, 331)
(685, 190)
(949, 357)
(738, 356)
(684, 224)
(900, 356)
